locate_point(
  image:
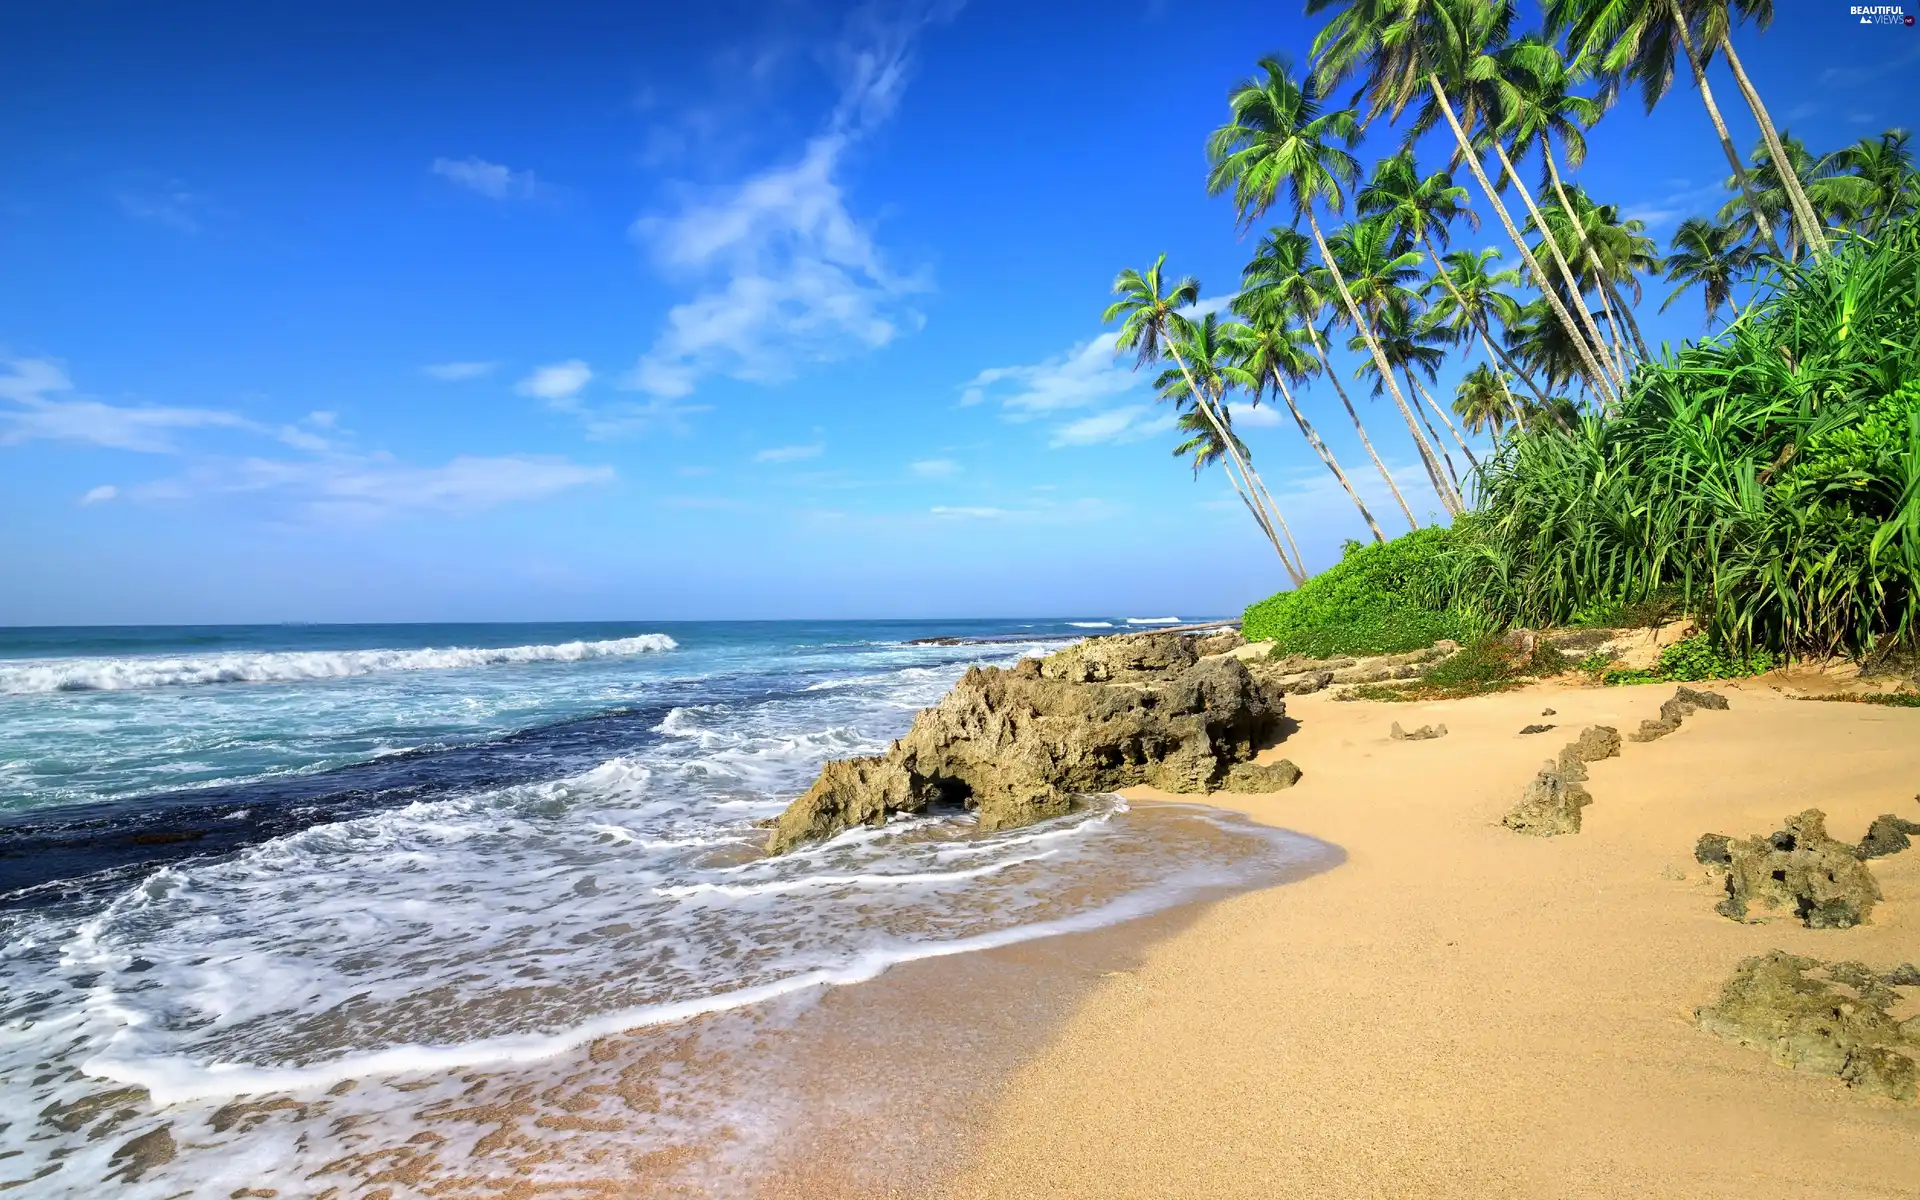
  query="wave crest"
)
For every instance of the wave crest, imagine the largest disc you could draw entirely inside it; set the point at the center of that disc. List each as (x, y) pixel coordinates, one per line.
(289, 666)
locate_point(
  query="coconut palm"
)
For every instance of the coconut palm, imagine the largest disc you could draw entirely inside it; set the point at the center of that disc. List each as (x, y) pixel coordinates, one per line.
(1538, 341)
(1379, 275)
(1203, 446)
(1877, 176)
(1268, 353)
(1278, 143)
(1415, 347)
(1281, 281)
(1636, 40)
(1710, 256)
(1151, 325)
(1483, 400)
(1613, 252)
(1437, 53)
(1828, 203)
(1471, 299)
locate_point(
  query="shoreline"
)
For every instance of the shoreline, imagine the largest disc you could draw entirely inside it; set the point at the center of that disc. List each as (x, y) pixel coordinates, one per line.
(1464, 1011)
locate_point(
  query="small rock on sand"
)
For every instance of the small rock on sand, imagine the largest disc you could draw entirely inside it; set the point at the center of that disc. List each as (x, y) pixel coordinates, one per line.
(1417, 735)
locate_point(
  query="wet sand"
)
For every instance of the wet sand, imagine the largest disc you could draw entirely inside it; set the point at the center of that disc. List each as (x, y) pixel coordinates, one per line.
(1460, 1010)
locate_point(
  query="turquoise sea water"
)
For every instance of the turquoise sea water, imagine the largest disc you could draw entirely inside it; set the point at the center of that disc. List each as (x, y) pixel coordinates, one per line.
(269, 860)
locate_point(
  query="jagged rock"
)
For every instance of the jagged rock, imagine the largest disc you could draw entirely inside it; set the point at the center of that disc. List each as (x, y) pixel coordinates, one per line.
(1841, 1024)
(1699, 699)
(1904, 975)
(1254, 779)
(134, 1158)
(1417, 735)
(1650, 731)
(1304, 684)
(1537, 728)
(1547, 712)
(1684, 702)
(1802, 870)
(1594, 743)
(1549, 807)
(1018, 745)
(1887, 835)
(1713, 850)
(1104, 659)
(1219, 643)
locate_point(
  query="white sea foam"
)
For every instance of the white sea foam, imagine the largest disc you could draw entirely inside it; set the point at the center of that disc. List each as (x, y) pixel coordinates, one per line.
(1091, 624)
(1153, 620)
(285, 666)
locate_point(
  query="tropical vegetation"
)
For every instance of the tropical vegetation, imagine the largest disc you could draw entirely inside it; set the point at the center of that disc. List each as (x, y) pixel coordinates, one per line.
(1764, 479)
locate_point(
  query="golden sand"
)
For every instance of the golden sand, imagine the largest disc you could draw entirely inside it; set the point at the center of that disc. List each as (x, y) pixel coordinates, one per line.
(1460, 1010)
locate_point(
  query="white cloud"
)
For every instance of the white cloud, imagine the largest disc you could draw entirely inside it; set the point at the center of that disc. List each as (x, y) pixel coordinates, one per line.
(791, 276)
(322, 420)
(100, 495)
(166, 203)
(366, 487)
(450, 372)
(1041, 510)
(556, 381)
(1683, 201)
(781, 454)
(489, 179)
(44, 412)
(935, 468)
(952, 510)
(1130, 423)
(1248, 416)
(1087, 374)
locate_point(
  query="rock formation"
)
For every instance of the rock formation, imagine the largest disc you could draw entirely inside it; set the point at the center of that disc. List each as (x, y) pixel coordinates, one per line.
(1416, 735)
(1017, 745)
(1551, 804)
(1684, 702)
(1887, 835)
(1254, 778)
(1799, 869)
(1831, 1018)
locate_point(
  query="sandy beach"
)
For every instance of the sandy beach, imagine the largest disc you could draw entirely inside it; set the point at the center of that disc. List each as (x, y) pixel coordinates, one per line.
(1459, 1010)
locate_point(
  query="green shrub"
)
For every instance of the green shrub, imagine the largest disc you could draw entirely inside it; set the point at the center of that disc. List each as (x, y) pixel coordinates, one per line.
(1378, 599)
(1696, 658)
(1483, 666)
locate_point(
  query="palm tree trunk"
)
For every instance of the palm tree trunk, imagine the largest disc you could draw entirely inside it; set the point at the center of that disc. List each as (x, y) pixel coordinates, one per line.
(1594, 340)
(1453, 476)
(1447, 421)
(1319, 348)
(1478, 318)
(1513, 404)
(1506, 220)
(1245, 475)
(1601, 283)
(1380, 361)
(1300, 560)
(1626, 311)
(1720, 127)
(1326, 456)
(1814, 233)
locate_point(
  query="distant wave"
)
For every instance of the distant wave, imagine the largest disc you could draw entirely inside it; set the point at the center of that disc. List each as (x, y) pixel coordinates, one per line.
(285, 666)
(1091, 624)
(1153, 620)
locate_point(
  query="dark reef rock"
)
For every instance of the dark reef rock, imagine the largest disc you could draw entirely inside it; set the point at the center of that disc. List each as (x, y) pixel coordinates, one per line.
(1018, 745)
(1713, 850)
(1799, 869)
(1594, 743)
(1538, 729)
(1829, 1018)
(1684, 702)
(1887, 835)
(1424, 733)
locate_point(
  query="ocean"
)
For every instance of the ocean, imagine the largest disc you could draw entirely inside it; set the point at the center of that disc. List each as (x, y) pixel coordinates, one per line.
(274, 900)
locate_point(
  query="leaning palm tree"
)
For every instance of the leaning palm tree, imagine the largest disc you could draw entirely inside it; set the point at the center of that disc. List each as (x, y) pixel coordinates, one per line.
(1280, 143)
(1471, 299)
(1202, 445)
(1433, 53)
(1612, 252)
(1483, 401)
(1282, 284)
(1538, 341)
(1267, 354)
(1151, 325)
(1415, 347)
(1636, 40)
(1876, 175)
(1710, 256)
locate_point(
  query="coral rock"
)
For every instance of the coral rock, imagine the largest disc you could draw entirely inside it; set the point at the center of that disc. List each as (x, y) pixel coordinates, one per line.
(1549, 807)
(1887, 835)
(1254, 779)
(1802, 870)
(1417, 735)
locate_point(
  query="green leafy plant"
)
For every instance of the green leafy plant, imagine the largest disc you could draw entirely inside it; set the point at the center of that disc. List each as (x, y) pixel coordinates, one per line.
(1696, 658)
(1384, 598)
(1482, 667)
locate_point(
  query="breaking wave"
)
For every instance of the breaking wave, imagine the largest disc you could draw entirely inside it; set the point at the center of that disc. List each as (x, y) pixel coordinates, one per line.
(128, 674)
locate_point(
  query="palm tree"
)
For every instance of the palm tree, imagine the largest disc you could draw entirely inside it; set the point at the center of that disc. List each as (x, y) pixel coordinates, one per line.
(1280, 140)
(1203, 442)
(1715, 20)
(1615, 251)
(1709, 255)
(1281, 280)
(1268, 352)
(1773, 195)
(1472, 300)
(1539, 342)
(1636, 40)
(1876, 174)
(1439, 49)
(1414, 346)
(1377, 274)
(1151, 325)
(1484, 401)
(1205, 348)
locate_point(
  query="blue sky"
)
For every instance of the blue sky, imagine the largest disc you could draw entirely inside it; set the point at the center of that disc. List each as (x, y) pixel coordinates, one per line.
(581, 310)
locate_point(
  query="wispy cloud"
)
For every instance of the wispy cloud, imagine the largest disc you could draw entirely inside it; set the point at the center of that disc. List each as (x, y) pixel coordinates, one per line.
(1039, 510)
(1130, 423)
(1086, 374)
(451, 372)
(45, 407)
(935, 468)
(790, 275)
(489, 179)
(166, 202)
(369, 487)
(1685, 200)
(100, 495)
(784, 454)
(556, 381)
(1860, 75)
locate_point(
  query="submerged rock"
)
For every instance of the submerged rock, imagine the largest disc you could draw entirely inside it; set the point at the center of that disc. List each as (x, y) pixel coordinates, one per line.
(1829, 1018)
(1018, 745)
(1799, 869)
(1549, 807)
(1416, 735)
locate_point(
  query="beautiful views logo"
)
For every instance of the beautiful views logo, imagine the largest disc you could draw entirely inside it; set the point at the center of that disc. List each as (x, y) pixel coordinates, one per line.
(1881, 14)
